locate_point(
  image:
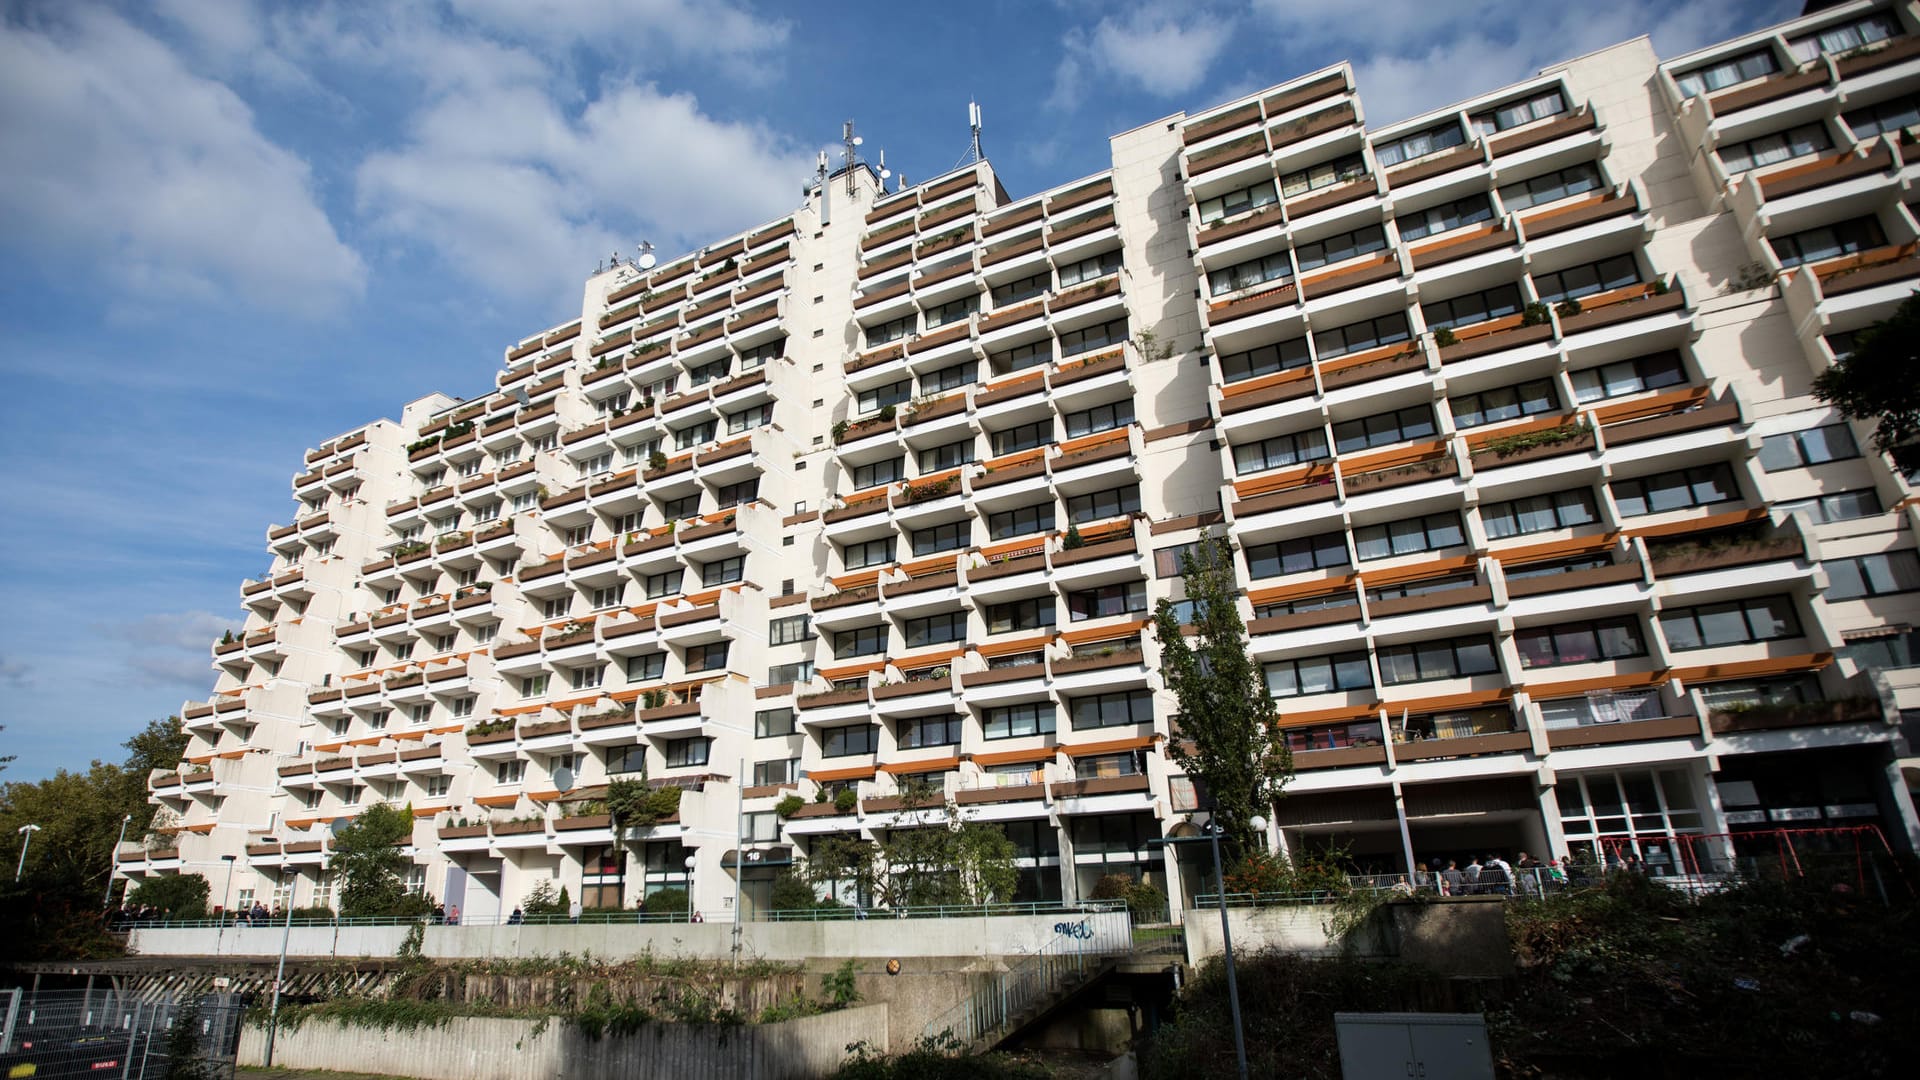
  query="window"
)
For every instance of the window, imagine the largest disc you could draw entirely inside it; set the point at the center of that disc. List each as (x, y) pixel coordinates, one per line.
(733, 495)
(1701, 485)
(626, 759)
(952, 455)
(1743, 68)
(556, 607)
(436, 787)
(1429, 533)
(706, 373)
(1765, 618)
(892, 330)
(1365, 334)
(1020, 615)
(525, 500)
(1427, 660)
(788, 631)
(880, 397)
(1773, 149)
(1014, 721)
(757, 357)
(433, 478)
(611, 406)
(1021, 357)
(864, 641)
(1025, 288)
(1341, 247)
(1578, 281)
(1089, 269)
(953, 311)
(1383, 429)
(1099, 505)
(847, 741)
(377, 719)
(647, 667)
(1813, 446)
(1551, 567)
(1026, 519)
(1828, 241)
(533, 686)
(1602, 708)
(709, 657)
(682, 753)
(1421, 587)
(751, 417)
(1265, 360)
(723, 571)
(1107, 600)
(783, 771)
(485, 512)
(586, 678)
(609, 596)
(948, 537)
(597, 464)
(1579, 643)
(546, 441)
(788, 674)
(445, 525)
(1111, 710)
(665, 584)
(1628, 377)
(1024, 437)
(1551, 187)
(1169, 562)
(695, 435)
(684, 507)
(1839, 506)
(773, 723)
(949, 378)
(1882, 117)
(1419, 224)
(1473, 307)
(469, 467)
(1274, 267)
(868, 553)
(1294, 449)
(1297, 556)
(1098, 336)
(1324, 175)
(892, 470)
(1539, 513)
(930, 731)
(1418, 145)
(1099, 418)
(1323, 602)
(936, 629)
(1319, 674)
(1539, 106)
(1867, 30)
(1237, 202)
(1872, 575)
(461, 707)
(509, 772)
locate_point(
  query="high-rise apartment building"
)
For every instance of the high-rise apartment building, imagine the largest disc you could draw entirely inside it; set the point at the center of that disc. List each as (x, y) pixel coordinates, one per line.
(1504, 409)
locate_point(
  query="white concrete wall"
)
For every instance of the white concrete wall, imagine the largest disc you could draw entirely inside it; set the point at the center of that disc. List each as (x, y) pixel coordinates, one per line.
(1294, 928)
(493, 1049)
(1005, 935)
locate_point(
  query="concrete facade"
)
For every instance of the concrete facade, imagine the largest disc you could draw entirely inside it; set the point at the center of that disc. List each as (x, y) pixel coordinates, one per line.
(1504, 410)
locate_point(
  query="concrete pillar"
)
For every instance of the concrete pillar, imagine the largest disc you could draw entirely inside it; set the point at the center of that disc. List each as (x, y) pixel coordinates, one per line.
(1907, 823)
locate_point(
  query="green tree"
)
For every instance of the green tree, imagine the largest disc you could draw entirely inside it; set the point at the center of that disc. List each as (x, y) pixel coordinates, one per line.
(1227, 741)
(368, 860)
(6, 759)
(930, 857)
(845, 865)
(792, 893)
(181, 896)
(1876, 382)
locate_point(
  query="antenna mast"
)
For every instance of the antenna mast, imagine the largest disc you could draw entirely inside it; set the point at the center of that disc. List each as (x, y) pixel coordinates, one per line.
(973, 121)
(826, 196)
(852, 151)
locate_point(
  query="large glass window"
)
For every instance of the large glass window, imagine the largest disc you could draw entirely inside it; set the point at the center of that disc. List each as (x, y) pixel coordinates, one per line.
(1024, 437)
(1774, 148)
(1422, 661)
(1595, 277)
(1319, 675)
(1014, 721)
(682, 753)
(1838, 506)
(1099, 418)
(1269, 268)
(1025, 288)
(891, 330)
(1628, 377)
(1551, 187)
(953, 311)
(1091, 268)
(1292, 449)
(1019, 522)
(1536, 106)
(1828, 241)
(1539, 513)
(1743, 68)
(1429, 533)
(848, 741)
(949, 378)
(1867, 30)
(1237, 202)
(1100, 505)
(1020, 615)
(1434, 220)
(1362, 335)
(1418, 145)
(862, 641)
(1021, 357)
(1384, 429)
(1111, 710)
(1121, 599)
(1098, 336)
(938, 538)
(1326, 174)
(930, 731)
(1702, 485)
(1474, 307)
(1872, 575)
(1881, 117)
(1341, 247)
(1739, 622)
(773, 723)
(890, 471)
(1265, 360)
(1579, 642)
(1504, 403)
(868, 553)
(951, 456)
(936, 629)
(879, 397)
(1813, 446)
(1297, 556)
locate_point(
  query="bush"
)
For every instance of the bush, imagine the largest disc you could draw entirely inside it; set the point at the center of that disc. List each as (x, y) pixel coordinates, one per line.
(792, 893)
(1533, 314)
(543, 899)
(180, 896)
(1073, 539)
(666, 902)
(311, 914)
(1444, 337)
(787, 806)
(845, 800)
(1568, 308)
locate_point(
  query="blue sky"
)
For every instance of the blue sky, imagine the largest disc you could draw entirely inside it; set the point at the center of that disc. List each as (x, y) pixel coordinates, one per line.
(233, 229)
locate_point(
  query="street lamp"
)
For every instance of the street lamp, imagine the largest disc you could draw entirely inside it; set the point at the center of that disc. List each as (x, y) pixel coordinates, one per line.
(113, 862)
(26, 831)
(280, 973)
(1212, 830)
(689, 888)
(226, 897)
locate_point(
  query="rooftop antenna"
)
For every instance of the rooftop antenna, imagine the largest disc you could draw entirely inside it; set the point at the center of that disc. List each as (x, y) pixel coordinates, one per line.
(826, 198)
(884, 172)
(646, 259)
(973, 121)
(852, 153)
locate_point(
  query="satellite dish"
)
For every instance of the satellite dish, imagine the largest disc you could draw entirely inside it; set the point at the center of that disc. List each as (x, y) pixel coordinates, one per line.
(336, 825)
(520, 395)
(563, 778)
(858, 141)
(646, 256)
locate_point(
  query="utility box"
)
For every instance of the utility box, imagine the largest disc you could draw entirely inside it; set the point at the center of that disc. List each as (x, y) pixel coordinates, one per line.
(1424, 1046)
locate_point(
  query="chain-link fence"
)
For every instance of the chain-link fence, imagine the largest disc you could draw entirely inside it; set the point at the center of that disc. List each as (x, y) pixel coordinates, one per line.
(104, 1033)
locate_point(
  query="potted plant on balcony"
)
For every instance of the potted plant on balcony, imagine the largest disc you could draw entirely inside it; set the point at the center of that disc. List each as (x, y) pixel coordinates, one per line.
(1534, 314)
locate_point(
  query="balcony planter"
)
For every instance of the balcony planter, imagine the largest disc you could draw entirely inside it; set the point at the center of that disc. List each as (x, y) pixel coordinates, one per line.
(614, 718)
(945, 579)
(819, 810)
(1771, 88)
(1867, 277)
(1654, 427)
(1010, 389)
(519, 828)
(1808, 714)
(503, 735)
(682, 618)
(1554, 442)
(1338, 195)
(1385, 267)
(401, 682)
(1099, 189)
(869, 505)
(1593, 578)
(1002, 222)
(1477, 593)
(1367, 371)
(583, 821)
(651, 543)
(1401, 476)
(1691, 559)
(829, 698)
(1240, 226)
(1091, 552)
(1466, 746)
(1119, 657)
(1449, 248)
(1435, 165)
(1239, 149)
(1305, 620)
(1552, 220)
(1666, 727)
(1089, 369)
(1085, 294)
(1101, 785)
(992, 676)
(1227, 121)
(1285, 295)
(913, 688)
(1572, 123)
(1007, 474)
(1009, 793)
(461, 832)
(542, 570)
(674, 711)
(1481, 345)
(1831, 171)
(1651, 304)
(1339, 758)
(845, 598)
(1006, 567)
(1118, 448)
(933, 410)
(863, 429)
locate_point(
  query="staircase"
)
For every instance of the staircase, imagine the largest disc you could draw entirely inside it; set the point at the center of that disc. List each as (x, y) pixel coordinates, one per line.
(1021, 995)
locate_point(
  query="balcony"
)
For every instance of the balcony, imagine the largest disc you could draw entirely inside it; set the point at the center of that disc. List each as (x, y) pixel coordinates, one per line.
(1572, 123)
(1867, 270)
(1549, 437)
(1824, 171)
(1473, 241)
(1772, 88)
(1742, 546)
(1621, 305)
(1736, 719)
(1572, 214)
(1572, 580)
(1623, 731)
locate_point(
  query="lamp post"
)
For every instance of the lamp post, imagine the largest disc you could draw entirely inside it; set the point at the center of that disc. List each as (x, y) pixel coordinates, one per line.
(226, 897)
(26, 831)
(689, 888)
(1213, 830)
(113, 862)
(280, 973)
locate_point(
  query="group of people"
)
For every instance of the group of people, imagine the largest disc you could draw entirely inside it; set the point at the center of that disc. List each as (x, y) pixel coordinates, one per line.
(1490, 875)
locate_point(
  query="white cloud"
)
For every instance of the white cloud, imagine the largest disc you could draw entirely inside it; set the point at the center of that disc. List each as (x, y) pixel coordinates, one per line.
(644, 33)
(170, 649)
(124, 165)
(15, 674)
(1160, 53)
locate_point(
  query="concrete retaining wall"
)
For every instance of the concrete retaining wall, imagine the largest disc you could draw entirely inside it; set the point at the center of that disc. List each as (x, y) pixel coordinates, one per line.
(877, 938)
(490, 1049)
(1460, 935)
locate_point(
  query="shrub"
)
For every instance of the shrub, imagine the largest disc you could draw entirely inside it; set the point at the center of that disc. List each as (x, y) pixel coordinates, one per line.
(845, 800)
(180, 896)
(657, 460)
(1444, 337)
(1073, 539)
(542, 899)
(791, 893)
(666, 902)
(1568, 308)
(1533, 314)
(788, 805)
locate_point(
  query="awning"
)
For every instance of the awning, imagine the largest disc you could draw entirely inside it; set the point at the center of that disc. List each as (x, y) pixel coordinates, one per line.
(756, 857)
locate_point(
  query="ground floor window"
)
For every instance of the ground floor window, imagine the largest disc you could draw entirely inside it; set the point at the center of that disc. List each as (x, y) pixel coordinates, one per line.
(1645, 808)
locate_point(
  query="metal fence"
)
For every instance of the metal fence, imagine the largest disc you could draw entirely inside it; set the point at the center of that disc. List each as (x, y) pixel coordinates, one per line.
(104, 1033)
(630, 917)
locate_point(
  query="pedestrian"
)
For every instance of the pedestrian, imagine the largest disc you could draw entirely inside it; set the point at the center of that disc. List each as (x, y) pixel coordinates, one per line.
(1402, 888)
(1556, 872)
(1452, 881)
(514, 919)
(1473, 872)
(573, 912)
(697, 917)
(1497, 876)
(453, 915)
